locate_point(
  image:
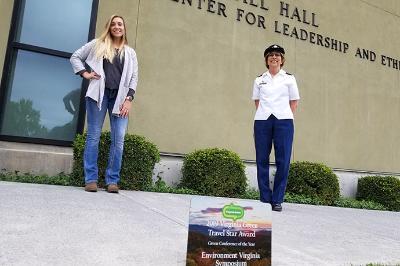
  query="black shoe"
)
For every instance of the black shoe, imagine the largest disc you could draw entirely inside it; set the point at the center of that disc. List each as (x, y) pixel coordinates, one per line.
(277, 207)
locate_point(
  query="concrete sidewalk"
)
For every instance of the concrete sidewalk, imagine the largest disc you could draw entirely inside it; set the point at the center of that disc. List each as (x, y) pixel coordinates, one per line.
(55, 225)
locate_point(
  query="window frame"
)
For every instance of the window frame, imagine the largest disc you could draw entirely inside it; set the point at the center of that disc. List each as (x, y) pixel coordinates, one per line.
(12, 49)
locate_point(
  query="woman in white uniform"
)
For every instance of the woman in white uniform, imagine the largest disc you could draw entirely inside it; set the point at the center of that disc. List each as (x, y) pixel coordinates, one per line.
(276, 95)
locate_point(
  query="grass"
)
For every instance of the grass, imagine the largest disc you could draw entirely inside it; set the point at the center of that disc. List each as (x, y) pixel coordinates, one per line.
(378, 264)
(341, 202)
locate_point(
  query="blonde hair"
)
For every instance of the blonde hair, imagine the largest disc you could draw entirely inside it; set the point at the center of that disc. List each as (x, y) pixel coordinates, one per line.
(104, 46)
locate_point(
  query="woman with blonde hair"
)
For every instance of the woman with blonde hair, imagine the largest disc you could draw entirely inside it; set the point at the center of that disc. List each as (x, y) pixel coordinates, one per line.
(113, 77)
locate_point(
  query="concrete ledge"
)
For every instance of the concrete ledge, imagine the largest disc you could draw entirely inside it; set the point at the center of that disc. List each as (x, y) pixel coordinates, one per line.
(35, 158)
(169, 169)
(348, 182)
(52, 160)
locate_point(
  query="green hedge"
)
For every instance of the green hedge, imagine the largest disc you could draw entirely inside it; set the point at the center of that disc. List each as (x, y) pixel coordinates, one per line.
(314, 180)
(382, 189)
(215, 172)
(138, 161)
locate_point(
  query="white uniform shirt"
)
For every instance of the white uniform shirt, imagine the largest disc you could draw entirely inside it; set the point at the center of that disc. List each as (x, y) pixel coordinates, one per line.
(274, 94)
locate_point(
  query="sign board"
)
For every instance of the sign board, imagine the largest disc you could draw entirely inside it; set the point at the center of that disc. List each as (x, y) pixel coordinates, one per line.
(229, 232)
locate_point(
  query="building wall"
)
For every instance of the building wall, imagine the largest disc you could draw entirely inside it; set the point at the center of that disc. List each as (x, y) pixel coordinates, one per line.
(5, 22)
(197, 67)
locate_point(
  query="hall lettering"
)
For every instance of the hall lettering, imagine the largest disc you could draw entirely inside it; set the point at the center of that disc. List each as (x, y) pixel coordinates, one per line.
(301, 15)
(211, 6)
(311, 37)
(390, 62)
(250, 18)
(366, 54)
(256, 3)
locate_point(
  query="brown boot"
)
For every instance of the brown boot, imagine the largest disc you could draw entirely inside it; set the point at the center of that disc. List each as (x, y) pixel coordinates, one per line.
(91, 187)
(112, 188)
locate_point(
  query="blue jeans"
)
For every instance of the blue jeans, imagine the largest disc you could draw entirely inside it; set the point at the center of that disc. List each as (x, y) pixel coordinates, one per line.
(280, 133)
(95, 120)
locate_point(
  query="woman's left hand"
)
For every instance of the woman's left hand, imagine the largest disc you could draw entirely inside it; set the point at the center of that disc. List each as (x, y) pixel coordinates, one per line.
(125, 108)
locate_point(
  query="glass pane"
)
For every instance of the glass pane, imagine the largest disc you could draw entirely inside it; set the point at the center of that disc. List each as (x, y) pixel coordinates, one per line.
(55, 24)
(43, 100)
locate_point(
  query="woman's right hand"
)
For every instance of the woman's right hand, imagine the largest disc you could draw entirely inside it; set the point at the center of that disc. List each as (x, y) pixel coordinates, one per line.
(91, 75)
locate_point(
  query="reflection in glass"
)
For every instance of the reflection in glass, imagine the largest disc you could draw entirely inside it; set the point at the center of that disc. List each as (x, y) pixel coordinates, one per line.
(55, 24)
(44, 98)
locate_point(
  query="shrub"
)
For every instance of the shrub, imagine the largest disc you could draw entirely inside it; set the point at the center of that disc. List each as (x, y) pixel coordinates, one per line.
(213, 171)
(381, 189)
(313, 180)
(138, 161)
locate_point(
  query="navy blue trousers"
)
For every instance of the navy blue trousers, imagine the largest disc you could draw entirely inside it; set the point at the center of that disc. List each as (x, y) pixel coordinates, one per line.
(280, 134)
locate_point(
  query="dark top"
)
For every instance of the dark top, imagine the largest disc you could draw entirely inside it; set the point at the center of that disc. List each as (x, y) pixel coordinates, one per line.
(113, 73)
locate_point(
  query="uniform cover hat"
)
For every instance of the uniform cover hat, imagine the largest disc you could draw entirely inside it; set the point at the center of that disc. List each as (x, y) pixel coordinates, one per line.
(275, 48)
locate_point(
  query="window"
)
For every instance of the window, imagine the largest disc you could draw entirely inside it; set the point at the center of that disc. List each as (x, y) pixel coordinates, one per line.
(40, 95)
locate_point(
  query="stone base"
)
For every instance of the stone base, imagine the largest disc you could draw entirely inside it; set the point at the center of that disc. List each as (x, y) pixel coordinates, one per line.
(35, 158)
(53, 160)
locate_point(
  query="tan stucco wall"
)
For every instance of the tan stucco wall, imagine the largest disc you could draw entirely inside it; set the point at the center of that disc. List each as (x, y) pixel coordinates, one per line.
(5, 20)
(350, 106)
(197, 70)
(193, 90)
(391, 6)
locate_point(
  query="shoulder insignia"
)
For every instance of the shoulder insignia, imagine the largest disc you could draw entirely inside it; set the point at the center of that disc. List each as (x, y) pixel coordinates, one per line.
(287, 73)
(259, 76)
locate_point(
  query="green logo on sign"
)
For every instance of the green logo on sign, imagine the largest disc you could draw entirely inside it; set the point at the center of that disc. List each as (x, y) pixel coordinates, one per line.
(233, 212)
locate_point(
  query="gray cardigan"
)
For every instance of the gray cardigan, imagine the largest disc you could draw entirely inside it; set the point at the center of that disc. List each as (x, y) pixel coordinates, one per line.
(129, 78)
